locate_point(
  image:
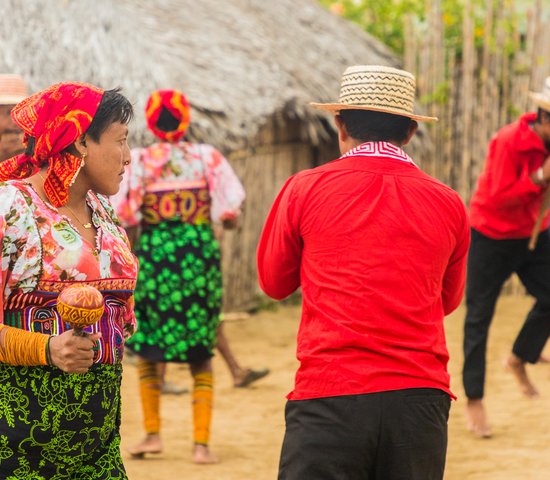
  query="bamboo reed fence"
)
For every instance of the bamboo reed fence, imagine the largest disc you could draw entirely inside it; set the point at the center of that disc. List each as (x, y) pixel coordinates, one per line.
(477, 86)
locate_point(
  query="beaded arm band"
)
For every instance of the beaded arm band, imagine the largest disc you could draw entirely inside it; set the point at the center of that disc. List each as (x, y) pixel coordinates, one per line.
(21, 348)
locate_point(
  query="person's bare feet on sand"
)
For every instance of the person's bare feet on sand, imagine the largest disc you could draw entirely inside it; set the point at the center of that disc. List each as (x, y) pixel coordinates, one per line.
(517, 366)
(476, 418)
(202, 455)
(150, 444)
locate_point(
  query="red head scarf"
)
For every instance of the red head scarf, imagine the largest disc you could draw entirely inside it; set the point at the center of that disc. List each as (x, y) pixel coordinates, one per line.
(176, 103)
(53, 119)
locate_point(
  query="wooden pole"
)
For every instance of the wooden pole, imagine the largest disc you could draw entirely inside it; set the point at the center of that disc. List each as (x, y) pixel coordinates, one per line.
(542, 213)
(468, 92)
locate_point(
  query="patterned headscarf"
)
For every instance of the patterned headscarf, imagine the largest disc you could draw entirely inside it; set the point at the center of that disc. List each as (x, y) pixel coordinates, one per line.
(52, 120)
(176, 103)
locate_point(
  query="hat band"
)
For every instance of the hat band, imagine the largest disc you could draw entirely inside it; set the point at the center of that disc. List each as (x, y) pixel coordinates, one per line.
(380, 91)
(377, 102)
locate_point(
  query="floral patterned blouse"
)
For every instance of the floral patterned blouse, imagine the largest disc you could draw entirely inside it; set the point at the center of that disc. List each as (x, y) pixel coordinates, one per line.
(187, 180)
(42, 253)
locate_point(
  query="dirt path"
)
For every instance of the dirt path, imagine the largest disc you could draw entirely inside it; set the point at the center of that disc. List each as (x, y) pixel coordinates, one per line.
(248, 424)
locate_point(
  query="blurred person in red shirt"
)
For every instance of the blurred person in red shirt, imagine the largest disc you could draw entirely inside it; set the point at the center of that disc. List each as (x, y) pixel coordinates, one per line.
(503, 212)
(379, 249)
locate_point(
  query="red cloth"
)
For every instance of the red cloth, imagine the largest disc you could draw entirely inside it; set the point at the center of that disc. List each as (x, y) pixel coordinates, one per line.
(506, 202)
(55, 118)
(379, 249)
(176, 103)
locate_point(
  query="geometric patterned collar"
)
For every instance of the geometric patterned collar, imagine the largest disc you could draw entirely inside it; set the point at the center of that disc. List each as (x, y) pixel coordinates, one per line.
(379, 149)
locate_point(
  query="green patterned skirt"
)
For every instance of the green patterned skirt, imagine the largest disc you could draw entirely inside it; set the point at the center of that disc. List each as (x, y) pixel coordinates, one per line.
(178, 293)
(59, 426)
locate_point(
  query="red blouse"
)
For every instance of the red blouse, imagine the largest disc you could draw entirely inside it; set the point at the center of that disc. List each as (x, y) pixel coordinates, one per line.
(42, 253)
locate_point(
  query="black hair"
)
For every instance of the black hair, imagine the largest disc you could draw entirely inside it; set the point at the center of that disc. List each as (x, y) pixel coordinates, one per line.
(371, 126)
(29, 149)
(541, 112)
(114, 107)
(166, 121)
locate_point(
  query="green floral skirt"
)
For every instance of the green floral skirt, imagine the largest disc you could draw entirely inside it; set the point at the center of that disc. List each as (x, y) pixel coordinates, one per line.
(178, 293)
(58, 426)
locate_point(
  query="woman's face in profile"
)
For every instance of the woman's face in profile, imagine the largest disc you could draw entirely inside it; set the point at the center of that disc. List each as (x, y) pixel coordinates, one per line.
(106, 159)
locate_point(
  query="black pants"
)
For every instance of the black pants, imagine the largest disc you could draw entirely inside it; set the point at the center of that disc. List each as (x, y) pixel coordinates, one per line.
(398, 435)
(490, 264)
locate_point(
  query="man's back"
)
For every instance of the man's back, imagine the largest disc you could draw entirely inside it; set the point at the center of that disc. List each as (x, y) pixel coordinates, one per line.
(382, 250)
(379, 249)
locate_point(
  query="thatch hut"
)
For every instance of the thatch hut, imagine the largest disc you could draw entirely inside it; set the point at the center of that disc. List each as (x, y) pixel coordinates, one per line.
(248, 67)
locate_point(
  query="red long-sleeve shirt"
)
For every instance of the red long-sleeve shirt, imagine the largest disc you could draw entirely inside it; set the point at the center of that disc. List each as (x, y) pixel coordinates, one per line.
(379, 249)
(506, 202)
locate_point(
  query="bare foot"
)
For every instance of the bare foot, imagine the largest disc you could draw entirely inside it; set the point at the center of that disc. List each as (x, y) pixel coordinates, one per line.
(477, 419)
(246, 376)
(150, 444)
(517, 366)
(543, 359)
(202, 455)
(169, 388)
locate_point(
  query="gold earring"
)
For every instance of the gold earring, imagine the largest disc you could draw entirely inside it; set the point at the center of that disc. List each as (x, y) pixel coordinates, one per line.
(82, 163)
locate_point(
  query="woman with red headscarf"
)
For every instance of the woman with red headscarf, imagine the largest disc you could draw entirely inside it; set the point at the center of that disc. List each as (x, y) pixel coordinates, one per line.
(60, 391)
(175, 191)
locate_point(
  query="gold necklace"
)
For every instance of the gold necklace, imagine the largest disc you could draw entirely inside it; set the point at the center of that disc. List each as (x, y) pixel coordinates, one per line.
(86, 225)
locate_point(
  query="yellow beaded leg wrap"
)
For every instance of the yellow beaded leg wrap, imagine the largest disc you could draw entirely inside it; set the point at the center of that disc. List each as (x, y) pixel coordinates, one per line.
(203, 394)
(149, 386)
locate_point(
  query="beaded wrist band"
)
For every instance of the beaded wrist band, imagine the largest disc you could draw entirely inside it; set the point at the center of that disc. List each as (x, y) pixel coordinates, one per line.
(22, 348)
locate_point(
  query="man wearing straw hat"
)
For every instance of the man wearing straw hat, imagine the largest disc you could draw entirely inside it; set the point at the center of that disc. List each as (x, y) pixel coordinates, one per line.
(503, 213)
(12, 91)
(379, 249)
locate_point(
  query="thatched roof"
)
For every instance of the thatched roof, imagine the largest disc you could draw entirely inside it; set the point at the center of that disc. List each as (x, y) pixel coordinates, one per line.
(238, 61)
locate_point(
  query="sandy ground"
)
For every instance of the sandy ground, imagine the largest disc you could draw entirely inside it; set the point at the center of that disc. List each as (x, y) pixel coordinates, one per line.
(248, 424)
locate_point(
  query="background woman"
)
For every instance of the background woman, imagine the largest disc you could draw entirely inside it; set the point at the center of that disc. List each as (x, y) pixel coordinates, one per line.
(175, 191)
(60, 408)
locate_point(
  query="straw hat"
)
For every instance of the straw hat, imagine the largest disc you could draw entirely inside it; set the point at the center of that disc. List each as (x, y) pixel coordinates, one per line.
(377, 88)
(12, 89)
(542, 99)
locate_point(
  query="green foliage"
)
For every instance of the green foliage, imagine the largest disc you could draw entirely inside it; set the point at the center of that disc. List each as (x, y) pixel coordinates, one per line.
(440, 95)
(385, 19)
(382, 19)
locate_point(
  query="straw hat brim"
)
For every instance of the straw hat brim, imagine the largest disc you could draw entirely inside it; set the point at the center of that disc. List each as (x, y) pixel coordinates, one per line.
(11, 99)
(540, 100)
(336, 107)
